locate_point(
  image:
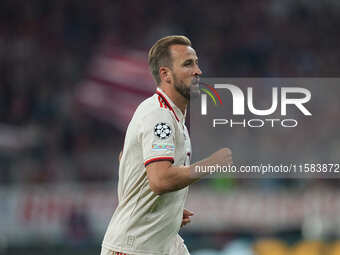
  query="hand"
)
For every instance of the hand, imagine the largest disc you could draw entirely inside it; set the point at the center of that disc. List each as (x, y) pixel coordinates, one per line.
(222, 157)
(186, 217)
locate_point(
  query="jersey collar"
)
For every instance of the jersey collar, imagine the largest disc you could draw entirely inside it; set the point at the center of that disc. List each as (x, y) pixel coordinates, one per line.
(172, 106)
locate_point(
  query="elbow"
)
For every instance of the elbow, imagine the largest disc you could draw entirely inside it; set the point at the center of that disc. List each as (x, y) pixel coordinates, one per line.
(157, 187)
(160, 181)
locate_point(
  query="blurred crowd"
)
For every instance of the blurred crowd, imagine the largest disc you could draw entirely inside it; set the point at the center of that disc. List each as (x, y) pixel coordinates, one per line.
(46, 48)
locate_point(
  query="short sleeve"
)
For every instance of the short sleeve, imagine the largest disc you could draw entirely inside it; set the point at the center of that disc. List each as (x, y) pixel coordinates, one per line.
(158, 137)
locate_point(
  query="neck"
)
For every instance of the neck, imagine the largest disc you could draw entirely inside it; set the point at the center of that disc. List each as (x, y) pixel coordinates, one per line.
(180, 101)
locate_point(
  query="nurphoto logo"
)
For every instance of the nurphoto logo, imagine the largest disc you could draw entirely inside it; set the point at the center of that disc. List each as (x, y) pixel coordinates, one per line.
(289, 97)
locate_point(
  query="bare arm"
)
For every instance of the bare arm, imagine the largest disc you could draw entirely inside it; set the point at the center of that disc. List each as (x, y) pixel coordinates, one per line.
(163, 177)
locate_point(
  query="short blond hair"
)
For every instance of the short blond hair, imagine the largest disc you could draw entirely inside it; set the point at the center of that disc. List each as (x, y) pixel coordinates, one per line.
(159, 54)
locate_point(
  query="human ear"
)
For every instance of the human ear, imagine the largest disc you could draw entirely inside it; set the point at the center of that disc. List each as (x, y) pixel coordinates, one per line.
(165, 74)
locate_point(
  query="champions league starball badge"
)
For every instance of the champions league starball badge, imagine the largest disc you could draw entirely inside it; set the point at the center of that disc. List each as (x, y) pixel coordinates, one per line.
(162, 130)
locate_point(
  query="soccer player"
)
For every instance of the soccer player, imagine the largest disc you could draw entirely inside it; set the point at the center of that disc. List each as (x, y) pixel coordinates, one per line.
(155, 170)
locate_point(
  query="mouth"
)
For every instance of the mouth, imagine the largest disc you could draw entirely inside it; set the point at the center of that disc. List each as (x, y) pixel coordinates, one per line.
(195, 87)
(195, 81)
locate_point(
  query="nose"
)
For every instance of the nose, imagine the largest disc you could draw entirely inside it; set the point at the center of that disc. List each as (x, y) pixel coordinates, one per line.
(197, 71)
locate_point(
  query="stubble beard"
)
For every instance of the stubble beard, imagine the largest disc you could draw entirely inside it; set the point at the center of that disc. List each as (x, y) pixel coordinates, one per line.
(182, 89)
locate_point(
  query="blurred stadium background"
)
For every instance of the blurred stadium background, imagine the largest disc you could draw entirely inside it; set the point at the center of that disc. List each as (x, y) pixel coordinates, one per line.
(71, 74)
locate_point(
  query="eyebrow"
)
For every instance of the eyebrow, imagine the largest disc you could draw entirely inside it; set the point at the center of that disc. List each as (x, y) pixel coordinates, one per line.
(187, 61)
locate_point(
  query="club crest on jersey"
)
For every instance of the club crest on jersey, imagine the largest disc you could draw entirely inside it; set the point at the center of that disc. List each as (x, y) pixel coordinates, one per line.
(162, 130)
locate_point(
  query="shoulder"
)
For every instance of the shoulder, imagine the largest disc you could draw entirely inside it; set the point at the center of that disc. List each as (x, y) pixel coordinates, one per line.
(153, 108)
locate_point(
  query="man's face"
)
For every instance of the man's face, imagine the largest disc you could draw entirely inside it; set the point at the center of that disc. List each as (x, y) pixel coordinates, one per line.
(185, 70)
